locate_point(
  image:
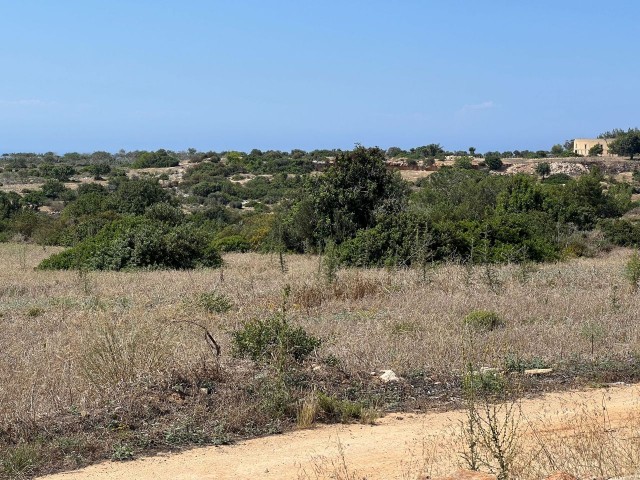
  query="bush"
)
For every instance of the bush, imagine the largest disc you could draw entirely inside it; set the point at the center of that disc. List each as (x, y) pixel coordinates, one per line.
(213, 302)
(273, 337)
(557, 179)
(344, 411)
(515, 363)
(483, 320)
(463, 163)
(493, 162)
(135, 242)
(159, 159)
(485, 382)
(632, 270)
(234, 243)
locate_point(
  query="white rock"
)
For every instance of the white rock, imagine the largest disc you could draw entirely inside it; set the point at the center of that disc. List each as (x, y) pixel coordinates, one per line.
(389, 376)
(538, 371)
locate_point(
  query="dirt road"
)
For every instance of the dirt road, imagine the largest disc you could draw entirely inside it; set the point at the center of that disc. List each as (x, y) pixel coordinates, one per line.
(398, 447)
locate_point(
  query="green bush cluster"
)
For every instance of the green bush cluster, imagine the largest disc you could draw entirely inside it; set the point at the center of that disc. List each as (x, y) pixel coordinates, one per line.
(273, 337)
(213, 302)
(457, 213)
(136, 242)
(158, 159)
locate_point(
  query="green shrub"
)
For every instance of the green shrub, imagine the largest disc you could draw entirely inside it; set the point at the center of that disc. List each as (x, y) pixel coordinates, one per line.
(19, 462)
(136, 242)
(464, 163)
(632, 270)
(272, 338)
(159, 159)
(234, 243)
(485, 382)
(122, 452)
(515, 363)
(483, 320)
(493, 162)
(213, 302)
(336, 410)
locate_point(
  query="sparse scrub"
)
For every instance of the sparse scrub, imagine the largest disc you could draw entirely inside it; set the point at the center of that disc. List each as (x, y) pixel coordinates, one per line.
(273, 338)
(19, 462)
(483, 320)
(632, 271)
(85, 362)
(122, 452)
(345, 411)
(484, 382)
(213, 302)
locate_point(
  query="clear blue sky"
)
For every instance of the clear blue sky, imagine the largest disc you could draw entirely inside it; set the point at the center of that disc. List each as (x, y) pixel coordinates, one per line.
(85, 75)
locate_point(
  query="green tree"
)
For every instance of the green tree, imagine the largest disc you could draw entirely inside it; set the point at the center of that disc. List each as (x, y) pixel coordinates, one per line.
(395, 152)
(557, 150)
(493, 160)
(543, 169)
(463, 162)
(158, 159)
(596, 150)
(626, 144)
(472, 151)
(348, 197)
(134, 196)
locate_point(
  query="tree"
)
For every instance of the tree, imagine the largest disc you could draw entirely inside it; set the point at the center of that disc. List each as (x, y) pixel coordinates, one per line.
(98, 170)
(348, 197)
(543, 169)
(557, 150)
(596, 150)
(492, 160)
(463, 162)
(626, 144)
(395, 152)
(568, 145)
(472, 151)
(158, 159)
(615, 133)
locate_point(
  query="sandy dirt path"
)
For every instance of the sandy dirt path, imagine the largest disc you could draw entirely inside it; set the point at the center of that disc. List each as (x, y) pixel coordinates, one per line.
(395, 448)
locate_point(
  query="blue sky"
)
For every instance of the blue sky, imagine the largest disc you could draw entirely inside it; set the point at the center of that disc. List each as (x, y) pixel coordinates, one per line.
(85, 75)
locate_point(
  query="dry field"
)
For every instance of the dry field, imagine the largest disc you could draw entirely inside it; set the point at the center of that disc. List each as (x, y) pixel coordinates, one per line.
(89, 352)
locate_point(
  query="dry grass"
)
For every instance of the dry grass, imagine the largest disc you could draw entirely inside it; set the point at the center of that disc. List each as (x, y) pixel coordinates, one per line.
(72, 341)
(370, 319)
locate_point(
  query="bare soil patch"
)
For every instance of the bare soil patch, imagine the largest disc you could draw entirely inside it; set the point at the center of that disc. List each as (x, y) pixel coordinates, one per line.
(398, 447)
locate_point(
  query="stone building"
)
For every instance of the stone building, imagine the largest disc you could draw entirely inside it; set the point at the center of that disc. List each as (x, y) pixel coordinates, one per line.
(581, 146)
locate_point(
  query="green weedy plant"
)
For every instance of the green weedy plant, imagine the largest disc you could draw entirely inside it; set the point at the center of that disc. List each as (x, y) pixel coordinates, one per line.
(122, 452)
(344, 411)
(213, 302)
(490, 432)
(593, 332)
(487, 382)
(273, 338)
(330, 262)
(632, 271)
(483, 320)
(19, 462)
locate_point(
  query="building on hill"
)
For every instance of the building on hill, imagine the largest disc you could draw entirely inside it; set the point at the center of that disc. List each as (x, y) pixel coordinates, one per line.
(581, 146)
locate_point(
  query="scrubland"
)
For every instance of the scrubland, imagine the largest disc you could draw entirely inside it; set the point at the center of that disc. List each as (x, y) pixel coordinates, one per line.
(115, 364)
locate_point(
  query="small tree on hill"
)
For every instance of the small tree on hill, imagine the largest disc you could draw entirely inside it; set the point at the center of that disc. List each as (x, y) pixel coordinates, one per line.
(557, 150)
(543, 169)
(493, 161)
(626, 144)
(596, 150)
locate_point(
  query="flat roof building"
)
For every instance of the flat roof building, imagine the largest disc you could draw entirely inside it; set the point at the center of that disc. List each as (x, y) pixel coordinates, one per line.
(581, 146)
